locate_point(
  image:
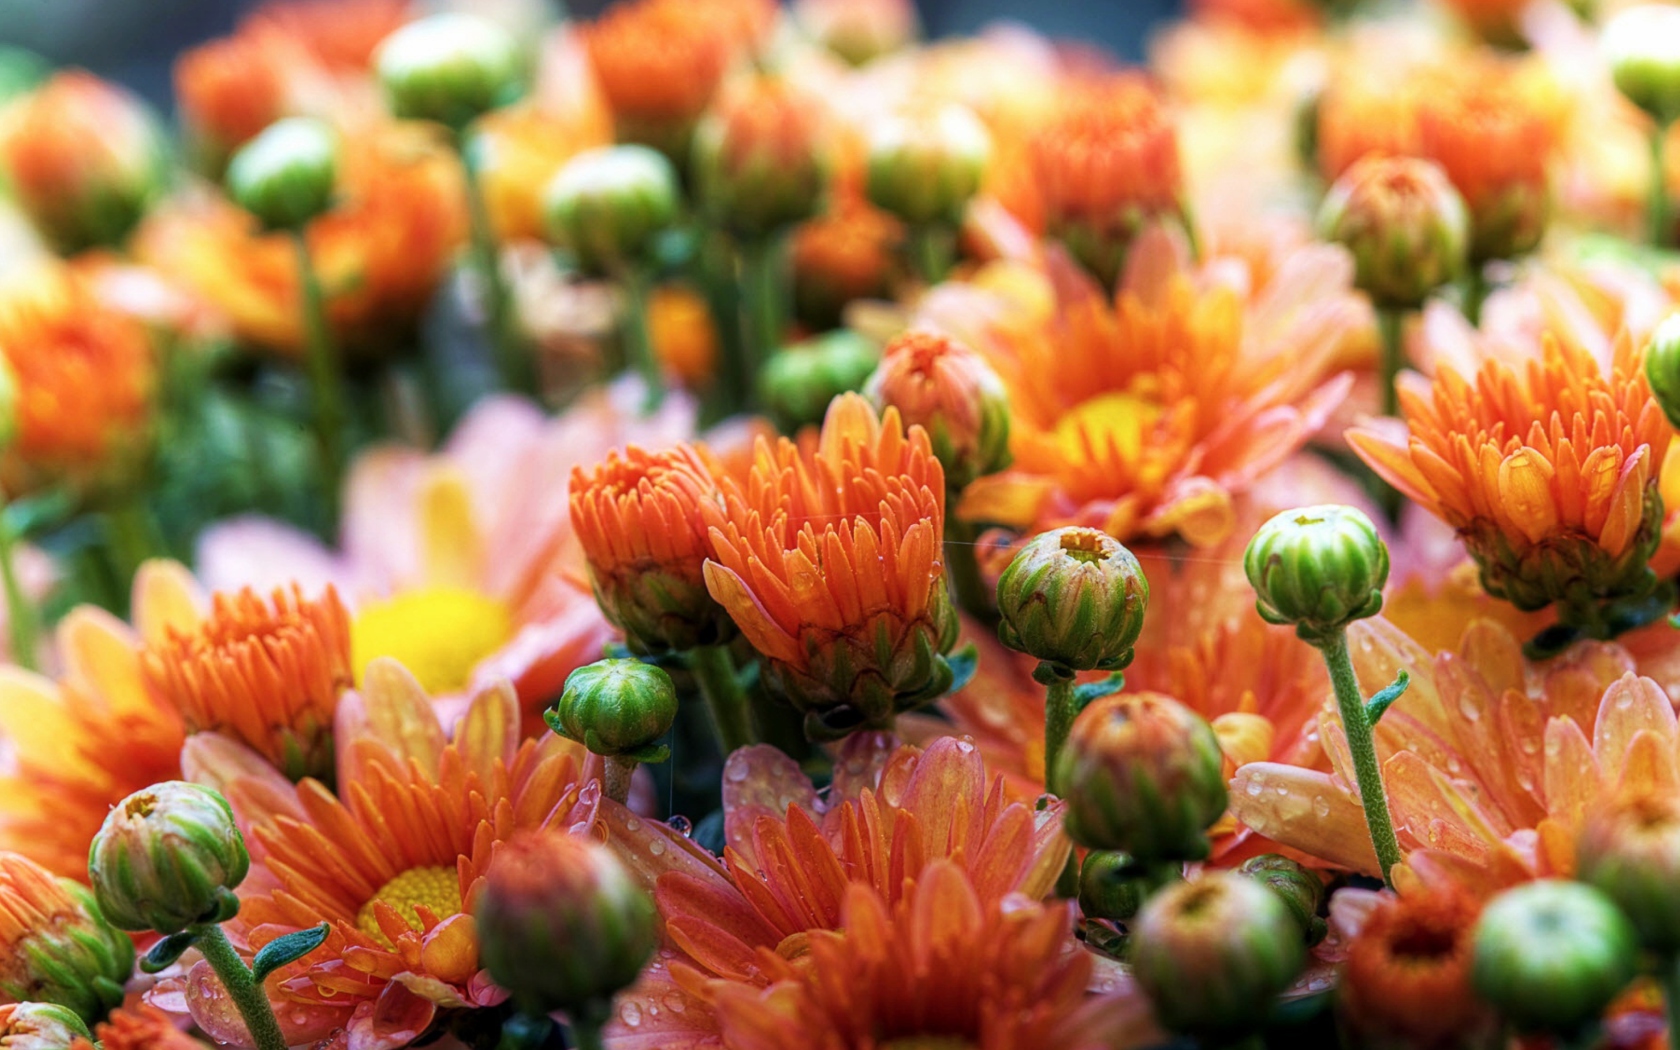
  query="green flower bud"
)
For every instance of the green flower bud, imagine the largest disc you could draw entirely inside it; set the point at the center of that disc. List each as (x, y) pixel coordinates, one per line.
(1662, 366)
(1141, 773)
(607, 205)
(1302, 891)
(450, 68)
(1407, 228)
(1074, 598)
(1319, 568)
(924, 168)
(1551, 955)
(562, 925)
(1641, 45)
(798, 382)
(1114, 885)
(617, 707)
(40, 1026)
(55, 946)
(1631, 851)
(168, 857)
(285, 175)
(1213, 954)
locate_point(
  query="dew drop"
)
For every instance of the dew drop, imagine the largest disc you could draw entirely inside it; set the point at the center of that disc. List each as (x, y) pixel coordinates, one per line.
(630, 1014)
(1554, 746)
(632, 825)
(675, 1003)
(1255, 787)
(965, 747)
(656, 847)
(1529, 745)
(1468, 707)
(1282, 791)
(1321, 806)
(735, 772)
(681, 825)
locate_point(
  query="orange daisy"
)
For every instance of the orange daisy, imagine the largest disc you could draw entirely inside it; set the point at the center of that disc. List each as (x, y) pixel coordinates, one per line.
(1548, 472)
(82, 380)
(1147, 415)
(379, 253)
(830, 561)
(143, 1027)
(791, 859)
(391, 861)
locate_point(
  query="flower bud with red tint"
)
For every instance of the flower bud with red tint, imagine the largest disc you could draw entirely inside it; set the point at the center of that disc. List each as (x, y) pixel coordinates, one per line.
(40, 1026)
(951, 392)
(758, 160)
(1404, 223)
(55, 946)
(1630, 850)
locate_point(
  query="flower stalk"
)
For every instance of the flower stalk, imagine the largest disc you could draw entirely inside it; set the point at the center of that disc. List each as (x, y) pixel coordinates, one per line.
(638, 342)
(1060, 708)
(22, 623)
(324, 377)
(242, 986)
(1362, 745)
(714, 669)
(511, 359)
(1658, 221)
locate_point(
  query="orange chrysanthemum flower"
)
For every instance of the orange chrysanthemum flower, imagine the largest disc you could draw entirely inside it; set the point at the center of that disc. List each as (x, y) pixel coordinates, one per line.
(341, 35)
(269, 674)
(144, 1027)
(830, 562)
(379, 253)
(1407, 975)
(1548, 472)
(76, 746)
(791, 859)
(940, 967)
(83, 375)
(846, 254)
(82, 158)
(1146, 415)
(684, 336)
(1103, 164)
(644, 520)
(391, 862)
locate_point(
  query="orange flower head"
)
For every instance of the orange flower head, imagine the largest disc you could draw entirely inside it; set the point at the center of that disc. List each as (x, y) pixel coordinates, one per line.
(684, 338)
(660, 61)
(380, 253)
(144, 1027)
(83, 158)
(829, 560)
(229, 89)
(1548, 471)
(1360, 114)
(84, 376)
(341, 34)
(643, 520)
(1408, 970)
(760, 156)
(54, 945)
(266, 673)
(845, 254)
(1260, 16)
(950, 391)
(1106, 162)
(1001, 976)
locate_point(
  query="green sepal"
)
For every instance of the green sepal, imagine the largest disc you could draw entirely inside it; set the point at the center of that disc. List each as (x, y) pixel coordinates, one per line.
(287, 949)
(1086, 692)
(551, 718)
(165, 952)
(1375, 706)
(225, 908)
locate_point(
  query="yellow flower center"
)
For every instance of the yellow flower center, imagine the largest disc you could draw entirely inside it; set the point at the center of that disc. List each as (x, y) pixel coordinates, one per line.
(438, 633)
(1117, 417)
(434, 886)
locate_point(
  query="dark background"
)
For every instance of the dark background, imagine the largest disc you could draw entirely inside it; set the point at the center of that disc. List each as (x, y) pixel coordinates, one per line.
(134, 41)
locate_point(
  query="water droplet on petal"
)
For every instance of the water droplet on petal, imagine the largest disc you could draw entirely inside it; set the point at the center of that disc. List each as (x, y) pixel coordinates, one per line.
(1468, 707)
(630, 1014)
(1255, 787)
(656, 847)
(681, 825)
(676, 1003)
(735, 772)
(1321, 806)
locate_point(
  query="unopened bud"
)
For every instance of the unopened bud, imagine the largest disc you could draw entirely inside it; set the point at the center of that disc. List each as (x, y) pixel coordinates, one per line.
(1317, 568)
(1551, 955)
(617, 707)
(285, 176)
(1406, 226)
(924, 167)
(1074, 598)
(168, 857)
(449, 68)
(607, 205)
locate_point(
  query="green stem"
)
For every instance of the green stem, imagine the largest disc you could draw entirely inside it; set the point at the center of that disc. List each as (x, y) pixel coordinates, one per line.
(714, 670)
(962, 568)
(616, 781)
(586, 1034)
(23, 626)
(325, 381)
(1657, 205)
(130, 536)
(511, 359)
(1671, 997)
(763, 305)
(933, 248)
(1059, 709)
(1391, 323)
(638, 341)
(1475, 292)
(1363, 747)
(241, 987)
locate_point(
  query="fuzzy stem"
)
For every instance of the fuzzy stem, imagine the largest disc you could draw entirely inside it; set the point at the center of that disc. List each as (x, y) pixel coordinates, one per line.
(1363, 747)
(714, 670)
(1391, 323)
(325, 382)
(763, 306)
(1657, 221)
(511, 359)
(241, 987)
(23, 627)
(1475, 292)
(616, 781)
(1058, 719)
(638, 341)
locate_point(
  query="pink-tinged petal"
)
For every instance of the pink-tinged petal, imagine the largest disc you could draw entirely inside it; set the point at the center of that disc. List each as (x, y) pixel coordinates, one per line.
(393, 711)
(433, 990)
(1420, 797)
(762, 781)
(1631, 704)
(1386, 453)
(541, 655)
(380, 532)
(489, 732)
(213, 1010)
(945, 792)
(651, 849)
(1648, 767)
(657, 1014)
(258, 552)
(393, 1020)
(1572, 776)
(1349, 908)
(481, 441)
(1157, 257)
(258, 792)
(1313, 812)
(165, 598)
(859, 763)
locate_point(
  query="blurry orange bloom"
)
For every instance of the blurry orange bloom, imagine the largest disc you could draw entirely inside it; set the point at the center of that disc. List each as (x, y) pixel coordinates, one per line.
(379, 253)
(1260, 16)
(940, 966)
(267, 673)
(77, 745)
(391, 861)
(791, 859)
(82, 157)
(519, 148)
(82, 378)
(830, 560)
(1497, 22)
(342, 34)
(1147, 415)
(142, 1027)
(685, 341)
(846, 254)
(1548, 472)
(1491, 761)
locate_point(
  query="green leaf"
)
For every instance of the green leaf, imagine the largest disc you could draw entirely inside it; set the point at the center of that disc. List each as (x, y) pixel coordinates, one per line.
(283, 950)
(165, 952)
(1375, 707)
(963, 663)
(1086, 692)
